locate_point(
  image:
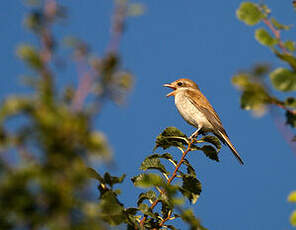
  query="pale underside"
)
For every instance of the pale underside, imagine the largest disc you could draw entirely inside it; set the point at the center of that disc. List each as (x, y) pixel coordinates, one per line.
(191, 114)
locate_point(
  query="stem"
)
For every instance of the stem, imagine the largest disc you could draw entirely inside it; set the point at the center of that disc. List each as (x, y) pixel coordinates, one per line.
(282, 106)
(166, 219)
(87, 78)
(276, 33)
(117, 27)
(169, 181)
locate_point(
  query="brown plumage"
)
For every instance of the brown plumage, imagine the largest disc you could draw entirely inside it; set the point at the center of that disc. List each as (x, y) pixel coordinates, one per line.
(195, 108)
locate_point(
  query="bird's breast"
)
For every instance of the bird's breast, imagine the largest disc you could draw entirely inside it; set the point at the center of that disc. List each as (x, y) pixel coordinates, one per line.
(190, 112)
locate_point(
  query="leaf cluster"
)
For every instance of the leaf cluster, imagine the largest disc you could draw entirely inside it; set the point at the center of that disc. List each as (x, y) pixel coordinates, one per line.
(165, 198)
(292, 199)
(255, 94)
(47, 136)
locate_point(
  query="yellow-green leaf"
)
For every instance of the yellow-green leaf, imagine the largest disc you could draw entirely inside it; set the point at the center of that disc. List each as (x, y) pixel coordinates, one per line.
(147, 180)
(283, 79)
(30, 55)
(293, 218)
(264, 38)
(292, 197)
(241, 80)
(278, 25)
(249, 13)
(290, 45)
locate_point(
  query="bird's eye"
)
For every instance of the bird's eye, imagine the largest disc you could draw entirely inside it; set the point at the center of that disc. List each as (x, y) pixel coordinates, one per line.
(179, 83)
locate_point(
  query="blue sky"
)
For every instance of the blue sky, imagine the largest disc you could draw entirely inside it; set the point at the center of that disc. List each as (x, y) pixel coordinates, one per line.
(200, 40)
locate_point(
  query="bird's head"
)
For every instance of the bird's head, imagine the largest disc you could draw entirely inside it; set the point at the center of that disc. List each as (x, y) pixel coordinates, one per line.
(181, 84)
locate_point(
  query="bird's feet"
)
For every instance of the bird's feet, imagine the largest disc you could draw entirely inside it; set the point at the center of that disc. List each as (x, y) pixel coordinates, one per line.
(194, 135)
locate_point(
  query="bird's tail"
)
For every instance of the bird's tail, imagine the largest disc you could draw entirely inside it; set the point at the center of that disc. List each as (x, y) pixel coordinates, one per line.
(226, 140)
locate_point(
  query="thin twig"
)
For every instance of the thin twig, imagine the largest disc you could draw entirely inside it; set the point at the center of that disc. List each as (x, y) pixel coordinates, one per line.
(84, 87)
(170, 179)
(87, 78)
(276, 33)
(117, 27)
(282, 106)
(166, 219)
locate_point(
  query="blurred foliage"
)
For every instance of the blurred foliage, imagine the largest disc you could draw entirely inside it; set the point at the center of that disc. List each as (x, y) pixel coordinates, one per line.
(47, 137)
(292, 199)
(257, 91)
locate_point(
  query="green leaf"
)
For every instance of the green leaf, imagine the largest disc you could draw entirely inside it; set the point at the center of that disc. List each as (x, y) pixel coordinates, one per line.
(290, 59)
(30, 55)
(153, 162)
(293, 218)
(260, 70)
(241, 80)
(146, 210)
(212, 140)
(111, 209)
(278, 25)
(249, 13)
(149, 195)
(171, 136)
(292, 197)
(15, 105)
(210, 152)
(191, 187)
(290, 102)
(35, 21)
(132, 219)
(190, 169)
(188, 216)
(131, 211)
(290, 45)
(264, 38)
(254, 99)
(144, 180)
(283, 79)
(125, 80)
(290, 119)
(93, 174)
(111, 180)
(166, 156)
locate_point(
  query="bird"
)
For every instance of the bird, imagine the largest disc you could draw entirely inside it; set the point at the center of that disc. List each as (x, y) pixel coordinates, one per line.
(197, 111)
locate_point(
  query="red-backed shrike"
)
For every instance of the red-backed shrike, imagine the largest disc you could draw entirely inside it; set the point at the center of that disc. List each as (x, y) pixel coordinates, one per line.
(198, 112)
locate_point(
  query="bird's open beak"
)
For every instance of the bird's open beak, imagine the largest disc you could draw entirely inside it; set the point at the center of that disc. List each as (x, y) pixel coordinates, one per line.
(172, 87)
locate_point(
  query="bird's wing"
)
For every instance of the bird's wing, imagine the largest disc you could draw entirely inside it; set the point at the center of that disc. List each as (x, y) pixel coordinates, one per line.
(204, 106)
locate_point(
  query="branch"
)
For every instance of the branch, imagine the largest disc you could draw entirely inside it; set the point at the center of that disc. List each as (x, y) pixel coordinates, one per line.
(169, 181)
(47, 43)
(84, 86)
(165, 220)
(276, 33)
(282, 106)
(117, 27)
